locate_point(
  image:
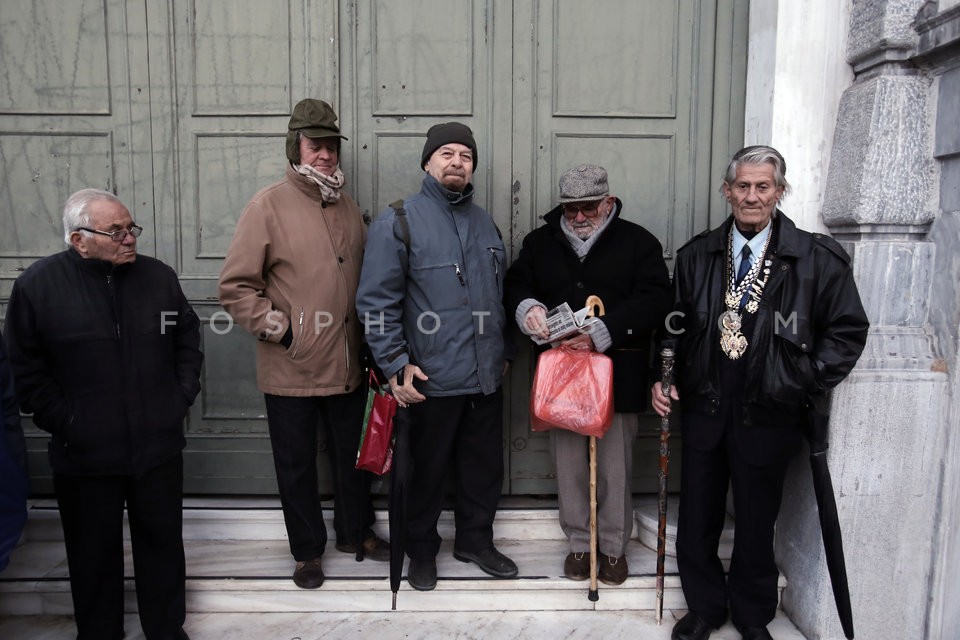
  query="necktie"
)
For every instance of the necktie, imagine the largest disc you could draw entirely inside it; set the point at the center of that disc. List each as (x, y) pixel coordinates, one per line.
(744, 263)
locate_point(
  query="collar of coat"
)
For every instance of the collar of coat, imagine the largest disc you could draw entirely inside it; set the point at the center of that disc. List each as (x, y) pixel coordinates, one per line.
(432, 188)
(785, 242)
(97, 266)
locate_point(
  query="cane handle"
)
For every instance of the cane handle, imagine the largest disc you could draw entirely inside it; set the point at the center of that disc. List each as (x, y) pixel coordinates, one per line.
(594, 303)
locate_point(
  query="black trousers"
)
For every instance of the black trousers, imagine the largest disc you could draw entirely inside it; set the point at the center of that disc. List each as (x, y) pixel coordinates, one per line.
(91, 511)
(294, 423)
(467, 430)
(751, 587)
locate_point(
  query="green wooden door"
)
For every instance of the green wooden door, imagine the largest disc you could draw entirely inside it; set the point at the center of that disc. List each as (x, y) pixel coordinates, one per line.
(650, 89)
(73, 114)
(645, 89)
(181, 106)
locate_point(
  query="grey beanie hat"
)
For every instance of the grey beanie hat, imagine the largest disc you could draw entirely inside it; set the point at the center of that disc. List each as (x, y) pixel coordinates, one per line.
(441, 134)
(583, 184)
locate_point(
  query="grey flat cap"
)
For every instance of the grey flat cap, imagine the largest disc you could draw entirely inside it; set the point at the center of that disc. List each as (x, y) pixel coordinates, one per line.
(583, 184)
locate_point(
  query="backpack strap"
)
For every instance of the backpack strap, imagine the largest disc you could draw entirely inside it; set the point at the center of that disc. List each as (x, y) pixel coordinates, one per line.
(401, 228)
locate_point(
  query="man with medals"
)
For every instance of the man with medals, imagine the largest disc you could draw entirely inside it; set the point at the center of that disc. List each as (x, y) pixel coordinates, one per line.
(767, 318)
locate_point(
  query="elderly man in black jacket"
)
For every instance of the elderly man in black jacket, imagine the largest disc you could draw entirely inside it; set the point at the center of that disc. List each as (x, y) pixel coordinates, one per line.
(766, 319)
(105, 352)
(586, 248)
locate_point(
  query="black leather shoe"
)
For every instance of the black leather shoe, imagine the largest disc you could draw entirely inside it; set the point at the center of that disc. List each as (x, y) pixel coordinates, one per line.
(308, 574)
(422, 574)
(691, 627)
(374, 548)
(754, 633)
(490, 560)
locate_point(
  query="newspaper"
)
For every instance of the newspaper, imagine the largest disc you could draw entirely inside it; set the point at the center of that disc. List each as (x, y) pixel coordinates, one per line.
(563, 322)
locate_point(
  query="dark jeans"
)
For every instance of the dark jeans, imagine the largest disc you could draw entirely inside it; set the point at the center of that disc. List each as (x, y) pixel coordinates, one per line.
(293, 423)
(469, 431)
(91, 510)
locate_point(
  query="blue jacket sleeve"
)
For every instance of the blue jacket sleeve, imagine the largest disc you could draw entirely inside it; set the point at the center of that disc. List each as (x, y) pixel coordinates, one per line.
(380, 296)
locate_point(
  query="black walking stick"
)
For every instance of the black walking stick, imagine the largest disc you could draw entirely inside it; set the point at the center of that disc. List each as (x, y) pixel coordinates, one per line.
(666, 380)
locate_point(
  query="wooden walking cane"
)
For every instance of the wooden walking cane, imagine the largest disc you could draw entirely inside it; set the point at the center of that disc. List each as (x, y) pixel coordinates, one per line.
(666, 380)
(593, 302)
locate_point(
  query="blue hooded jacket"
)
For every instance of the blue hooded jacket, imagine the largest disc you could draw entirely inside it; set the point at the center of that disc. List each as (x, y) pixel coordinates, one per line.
(438, 303)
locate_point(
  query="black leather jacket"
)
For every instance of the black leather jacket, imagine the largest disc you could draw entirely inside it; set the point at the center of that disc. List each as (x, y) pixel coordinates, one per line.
(810, 326)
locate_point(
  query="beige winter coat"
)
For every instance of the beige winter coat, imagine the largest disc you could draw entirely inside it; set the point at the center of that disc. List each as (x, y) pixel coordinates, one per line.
(295, 262)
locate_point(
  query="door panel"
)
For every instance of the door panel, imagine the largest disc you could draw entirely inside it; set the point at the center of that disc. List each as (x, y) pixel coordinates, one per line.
(408, 66)
(631, 90)
(72, 115)
(239, 68)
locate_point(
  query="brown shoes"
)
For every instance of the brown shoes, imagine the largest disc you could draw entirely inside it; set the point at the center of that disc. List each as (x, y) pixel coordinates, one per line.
(612, 570)
(577, 566)
(308, 574)
(374, 547)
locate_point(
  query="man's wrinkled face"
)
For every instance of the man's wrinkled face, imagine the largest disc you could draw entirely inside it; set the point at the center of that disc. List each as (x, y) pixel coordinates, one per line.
(584, 218)
(452, 166)
(753, 196)
(106, 216)
(320, 153)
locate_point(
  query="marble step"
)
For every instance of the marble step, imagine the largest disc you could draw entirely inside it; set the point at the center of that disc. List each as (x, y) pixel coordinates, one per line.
(646, 517)
(238, 561)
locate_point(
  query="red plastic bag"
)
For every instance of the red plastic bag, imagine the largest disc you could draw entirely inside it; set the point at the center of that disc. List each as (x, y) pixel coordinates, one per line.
(376, 440)
(573, 390)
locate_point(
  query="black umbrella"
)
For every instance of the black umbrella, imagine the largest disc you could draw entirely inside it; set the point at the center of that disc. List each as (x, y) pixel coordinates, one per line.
(829, 522)
(397, 509)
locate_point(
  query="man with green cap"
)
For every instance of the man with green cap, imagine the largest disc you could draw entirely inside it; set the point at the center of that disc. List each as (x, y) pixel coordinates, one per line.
(290, 278)
(431, 302)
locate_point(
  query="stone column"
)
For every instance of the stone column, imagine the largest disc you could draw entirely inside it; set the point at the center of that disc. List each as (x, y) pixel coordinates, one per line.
(888, 425)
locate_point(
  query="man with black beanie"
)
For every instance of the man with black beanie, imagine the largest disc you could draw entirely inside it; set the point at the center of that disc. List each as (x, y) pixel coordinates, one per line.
(430, 296)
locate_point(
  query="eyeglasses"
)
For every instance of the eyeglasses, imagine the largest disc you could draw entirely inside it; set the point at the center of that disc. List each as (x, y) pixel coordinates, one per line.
(588, 209)
(119, 235)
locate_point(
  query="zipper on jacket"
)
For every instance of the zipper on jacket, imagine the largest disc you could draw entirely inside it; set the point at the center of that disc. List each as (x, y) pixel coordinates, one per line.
(463, 283)
(113, 303)
(299, 336)
(496, 266)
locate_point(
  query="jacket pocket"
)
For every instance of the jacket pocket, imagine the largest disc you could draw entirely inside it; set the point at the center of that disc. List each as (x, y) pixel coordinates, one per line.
(442, 284)
(297, 328)
(497, 257)
(791, 373)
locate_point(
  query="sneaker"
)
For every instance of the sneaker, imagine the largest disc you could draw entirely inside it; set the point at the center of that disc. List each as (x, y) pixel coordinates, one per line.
(612, 570)
(374, 547)
(308, 574)
(577, 566)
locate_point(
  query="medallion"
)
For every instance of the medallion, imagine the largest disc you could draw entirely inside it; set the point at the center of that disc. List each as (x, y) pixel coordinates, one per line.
(732, 342)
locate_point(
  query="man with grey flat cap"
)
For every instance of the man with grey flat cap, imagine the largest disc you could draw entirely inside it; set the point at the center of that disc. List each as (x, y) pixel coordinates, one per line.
(290, 278)
(430, 296)
(585, 248)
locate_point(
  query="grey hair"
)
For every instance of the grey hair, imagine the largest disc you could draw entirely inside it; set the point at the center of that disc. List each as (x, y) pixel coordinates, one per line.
(75, 209)
(755, 155)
